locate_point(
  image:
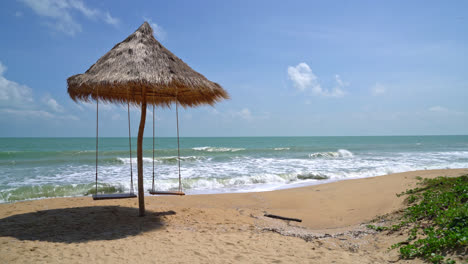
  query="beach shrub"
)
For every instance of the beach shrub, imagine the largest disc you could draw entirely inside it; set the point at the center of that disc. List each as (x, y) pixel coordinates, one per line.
(437, 218)
(377, 228)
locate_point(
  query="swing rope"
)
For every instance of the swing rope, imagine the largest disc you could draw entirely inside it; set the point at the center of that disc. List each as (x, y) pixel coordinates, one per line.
(153, 147)
(178, 145)
(97, 135)
(130, 150)
(152, 186)
(118, 195)
(153, 191)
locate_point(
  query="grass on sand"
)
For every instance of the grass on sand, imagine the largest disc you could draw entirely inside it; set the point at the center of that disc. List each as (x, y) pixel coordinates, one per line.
(436, 218)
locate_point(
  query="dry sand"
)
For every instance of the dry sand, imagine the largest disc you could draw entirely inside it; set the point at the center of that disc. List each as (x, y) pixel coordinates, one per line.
(219, 228)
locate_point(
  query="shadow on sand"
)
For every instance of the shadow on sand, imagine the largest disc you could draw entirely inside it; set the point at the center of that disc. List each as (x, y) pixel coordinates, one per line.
(81, 224)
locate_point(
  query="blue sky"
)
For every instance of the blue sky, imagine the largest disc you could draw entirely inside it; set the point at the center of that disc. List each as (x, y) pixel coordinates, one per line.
(292, 68)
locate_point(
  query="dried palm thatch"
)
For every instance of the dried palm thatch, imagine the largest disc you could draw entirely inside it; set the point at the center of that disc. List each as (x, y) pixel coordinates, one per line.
(141, 62)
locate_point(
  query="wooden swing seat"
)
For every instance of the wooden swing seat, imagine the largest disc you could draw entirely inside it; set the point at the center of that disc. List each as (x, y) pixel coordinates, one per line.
(179, 192)
(113, 196)
(166, 192)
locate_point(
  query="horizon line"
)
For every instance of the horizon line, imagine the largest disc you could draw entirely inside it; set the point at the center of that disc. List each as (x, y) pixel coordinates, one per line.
(426, 135)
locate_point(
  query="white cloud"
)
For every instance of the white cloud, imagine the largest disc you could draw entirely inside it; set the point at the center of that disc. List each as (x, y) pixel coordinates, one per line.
(245, 114)
(17, 100)
(60, 14)
(338, 91)
(110, 20)
(70, 117)
(80, 6)
(52, 104)
(339, 81)
(158, 31)
(56, 11)
(304, 79)
(438, 109)
(13, 94)
(79, 107)
(3, 68)
(37, 114)
(302, 76)
(378, 89)
(102, 106)
(28, 113)
(115, 117)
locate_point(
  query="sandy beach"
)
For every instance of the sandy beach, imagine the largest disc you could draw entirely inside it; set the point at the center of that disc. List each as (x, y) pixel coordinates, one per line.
(218, 228)
(233, 132)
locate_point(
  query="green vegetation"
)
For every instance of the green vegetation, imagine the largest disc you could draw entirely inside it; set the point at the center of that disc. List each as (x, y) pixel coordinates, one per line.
(377, 228)
(384, 228)
(437, 219)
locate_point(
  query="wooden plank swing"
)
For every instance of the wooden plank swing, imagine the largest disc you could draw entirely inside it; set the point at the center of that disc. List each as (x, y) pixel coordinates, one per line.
(131, 194)
(179, 191)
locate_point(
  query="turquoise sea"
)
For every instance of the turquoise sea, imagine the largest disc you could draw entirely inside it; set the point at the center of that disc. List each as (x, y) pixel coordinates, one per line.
(34, 168)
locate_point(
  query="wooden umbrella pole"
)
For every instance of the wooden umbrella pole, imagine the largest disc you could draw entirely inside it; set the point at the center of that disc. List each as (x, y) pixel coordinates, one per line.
(141, 129)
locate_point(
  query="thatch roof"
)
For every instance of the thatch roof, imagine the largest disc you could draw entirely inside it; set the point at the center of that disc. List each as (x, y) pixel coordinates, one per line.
(138, 62)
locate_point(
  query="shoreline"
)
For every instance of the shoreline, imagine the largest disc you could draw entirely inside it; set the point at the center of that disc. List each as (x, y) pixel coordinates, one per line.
(39, 168)
(257, 188)
(216, 228)
(301, 188)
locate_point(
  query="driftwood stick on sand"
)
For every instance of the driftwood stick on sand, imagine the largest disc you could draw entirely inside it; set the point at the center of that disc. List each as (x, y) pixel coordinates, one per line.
(283, 218)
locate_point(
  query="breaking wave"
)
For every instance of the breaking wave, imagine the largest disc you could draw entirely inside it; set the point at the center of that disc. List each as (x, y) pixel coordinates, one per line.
(241, 165)
(164, 160)
(218, 149)
(341, 153)
(281, 148)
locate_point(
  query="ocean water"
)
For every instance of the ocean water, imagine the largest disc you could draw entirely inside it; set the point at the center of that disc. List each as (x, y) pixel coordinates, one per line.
(34, 168)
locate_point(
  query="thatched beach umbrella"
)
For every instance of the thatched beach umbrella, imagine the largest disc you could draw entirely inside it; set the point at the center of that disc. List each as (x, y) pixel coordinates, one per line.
(141, 71)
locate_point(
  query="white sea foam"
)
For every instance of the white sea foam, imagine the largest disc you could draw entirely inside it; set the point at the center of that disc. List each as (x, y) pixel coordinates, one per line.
(281, 148)
(134, 160)
(168, 159)
(229, 172)
(341, 153)
(238, 175)
(201, 148)
(235, 183)
(218, 149)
